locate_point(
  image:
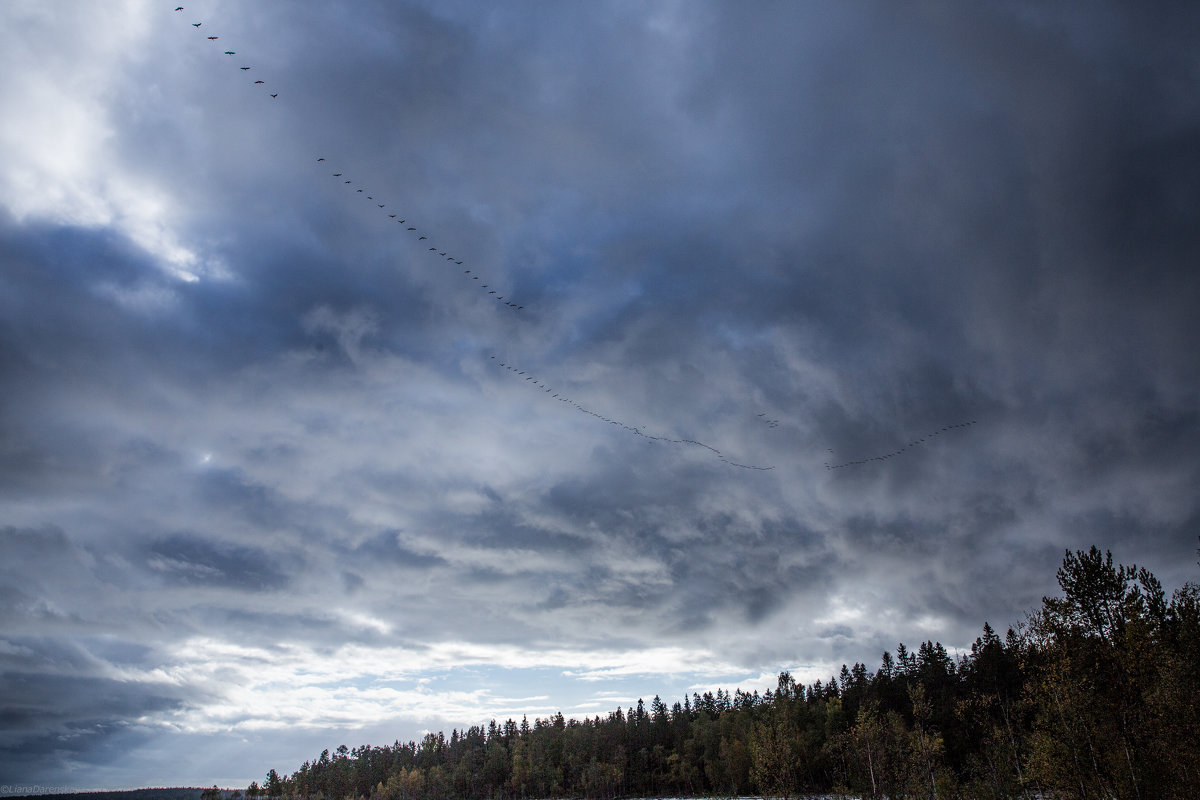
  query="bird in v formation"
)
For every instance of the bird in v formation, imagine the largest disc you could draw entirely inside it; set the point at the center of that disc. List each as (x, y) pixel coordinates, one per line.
(770, 422)
(442, 253)
(902, 450)
(632, 429)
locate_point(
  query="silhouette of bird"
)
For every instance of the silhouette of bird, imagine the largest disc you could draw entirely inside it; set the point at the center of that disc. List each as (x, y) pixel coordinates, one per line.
(320, 159)
(212, 38)
(256, 83)
(337, 174)
(433, 248)
(349, 181)
(246, 68)
(393, 216)
(412, 229)
(196, 24)
(230, 53)
(423, 237)
(275, 94)
(180, 8)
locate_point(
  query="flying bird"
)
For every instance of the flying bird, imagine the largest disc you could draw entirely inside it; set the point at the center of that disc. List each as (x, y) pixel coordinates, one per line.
(320, 159)
(196, 24)
(411, 229)
(180, 8)
(230, 53)
(419, 239)
(246, 68)
(337, 174)
(275, 94)
(256, 83)
(212, 38)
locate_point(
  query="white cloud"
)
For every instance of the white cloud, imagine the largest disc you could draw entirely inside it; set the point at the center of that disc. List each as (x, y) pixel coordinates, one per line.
(236, 687)
(59, 67)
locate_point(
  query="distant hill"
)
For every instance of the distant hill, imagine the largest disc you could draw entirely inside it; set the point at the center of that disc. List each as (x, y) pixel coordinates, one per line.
(173, 793)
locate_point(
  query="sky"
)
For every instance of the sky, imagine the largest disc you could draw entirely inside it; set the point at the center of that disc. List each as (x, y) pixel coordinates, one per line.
(817, 327)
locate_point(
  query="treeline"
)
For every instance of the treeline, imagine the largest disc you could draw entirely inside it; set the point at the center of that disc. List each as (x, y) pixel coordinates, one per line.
(1096, 695)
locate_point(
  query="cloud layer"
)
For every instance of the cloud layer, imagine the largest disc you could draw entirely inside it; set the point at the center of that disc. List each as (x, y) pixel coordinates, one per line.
(263, 485)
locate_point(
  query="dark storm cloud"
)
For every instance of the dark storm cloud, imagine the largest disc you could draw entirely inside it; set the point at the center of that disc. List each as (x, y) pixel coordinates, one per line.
(499, 528)
(385, 546)
(193, 560)
(65, 699)
(76, 749)
(83, 701)
(248, 416)
(66, 326)
(925, 183)
(710, 564)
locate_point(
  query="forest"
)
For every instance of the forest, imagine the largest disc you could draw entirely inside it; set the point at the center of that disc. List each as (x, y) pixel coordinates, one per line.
(1093, 695)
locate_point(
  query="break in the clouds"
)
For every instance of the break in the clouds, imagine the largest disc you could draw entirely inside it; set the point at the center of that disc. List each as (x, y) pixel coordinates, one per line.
(266, 488)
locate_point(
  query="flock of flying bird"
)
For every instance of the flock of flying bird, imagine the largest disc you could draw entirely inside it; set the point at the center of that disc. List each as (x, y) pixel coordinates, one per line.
(440, 254)
(493, 293)
(562, 398)
(902, 450)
